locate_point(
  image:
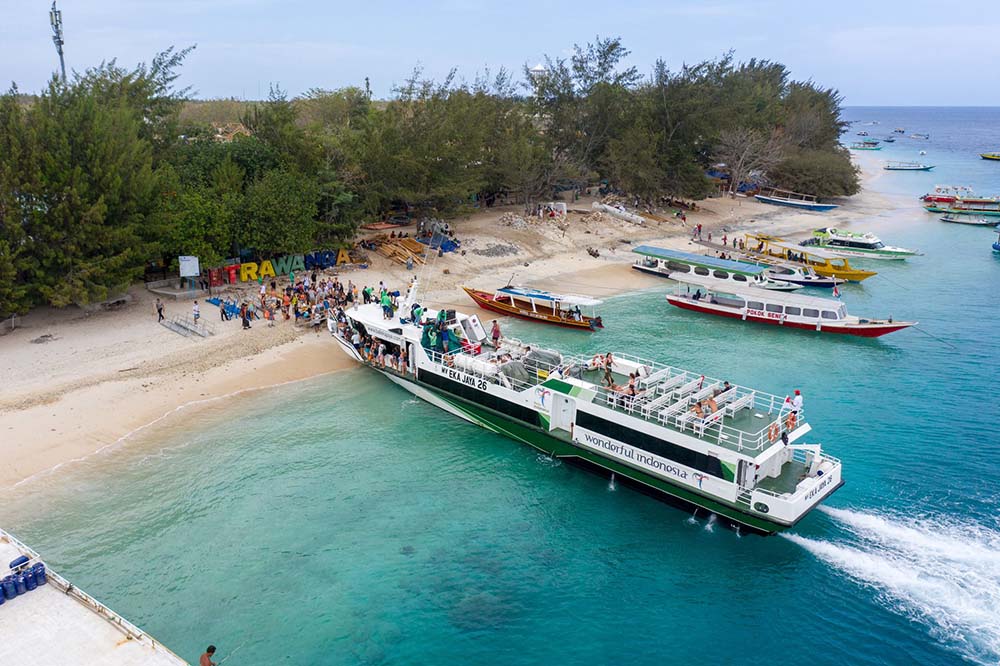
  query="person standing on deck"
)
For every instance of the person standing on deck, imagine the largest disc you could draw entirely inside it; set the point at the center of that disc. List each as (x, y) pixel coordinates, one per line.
(206, 659)
(159, 311)
(797, 402)
(495, 334)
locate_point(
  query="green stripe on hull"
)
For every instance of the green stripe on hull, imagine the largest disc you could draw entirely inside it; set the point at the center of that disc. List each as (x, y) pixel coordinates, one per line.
(552, 444)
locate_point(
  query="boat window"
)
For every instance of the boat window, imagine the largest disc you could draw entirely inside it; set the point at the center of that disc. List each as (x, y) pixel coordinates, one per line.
(809, 312)
(739, 278)
(755, 305)
(773, 307)
(722, 275)
(698, 270)
(829, 315)
(679, 267)
(842, 311)
(792, 310)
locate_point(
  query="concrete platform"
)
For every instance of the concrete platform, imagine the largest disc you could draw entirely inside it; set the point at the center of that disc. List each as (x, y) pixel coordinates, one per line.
(60, 625)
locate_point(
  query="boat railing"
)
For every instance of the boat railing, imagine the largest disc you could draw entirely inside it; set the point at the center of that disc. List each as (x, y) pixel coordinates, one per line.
(130, 630)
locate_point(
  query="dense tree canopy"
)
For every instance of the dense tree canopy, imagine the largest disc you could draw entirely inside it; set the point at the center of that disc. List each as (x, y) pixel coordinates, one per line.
(116, 168)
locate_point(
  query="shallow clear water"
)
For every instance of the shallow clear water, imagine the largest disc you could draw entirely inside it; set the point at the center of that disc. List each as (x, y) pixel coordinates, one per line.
(341, 521)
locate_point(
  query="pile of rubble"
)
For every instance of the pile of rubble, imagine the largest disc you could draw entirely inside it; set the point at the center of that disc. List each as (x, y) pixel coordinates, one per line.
(597, 217)
(512, 220)
(497, 250)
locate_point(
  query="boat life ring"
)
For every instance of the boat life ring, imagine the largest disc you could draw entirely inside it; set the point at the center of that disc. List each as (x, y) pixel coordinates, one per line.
(773, 432)
(791, 421)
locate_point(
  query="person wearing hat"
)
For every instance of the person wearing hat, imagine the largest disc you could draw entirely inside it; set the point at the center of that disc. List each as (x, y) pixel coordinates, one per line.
(797, 402)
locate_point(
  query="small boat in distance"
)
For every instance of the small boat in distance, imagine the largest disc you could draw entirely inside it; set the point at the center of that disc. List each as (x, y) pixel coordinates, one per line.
(661, 261)
(996, 243)
(862, 133)
(852, 244)
(890, 139)
(920, 136)
(899, 130)
(538, 305)
(864, 145)
(969, 219)
(907, 166)
(824, 315)
(774, 250)
(990, 156)
(777, 197)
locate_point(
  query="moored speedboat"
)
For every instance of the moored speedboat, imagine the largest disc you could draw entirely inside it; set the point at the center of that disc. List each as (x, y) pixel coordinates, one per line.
(661, 261)
(864, 145)
(963, 207)
(852, 244)
(541, 306)
(825, 315)
(802, 276)
(691, 440)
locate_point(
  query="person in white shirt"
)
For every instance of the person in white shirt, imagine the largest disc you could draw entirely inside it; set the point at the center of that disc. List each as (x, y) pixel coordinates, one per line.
(797, 402)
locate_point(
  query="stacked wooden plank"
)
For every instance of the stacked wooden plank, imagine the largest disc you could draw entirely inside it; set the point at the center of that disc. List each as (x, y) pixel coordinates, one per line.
(400, 249)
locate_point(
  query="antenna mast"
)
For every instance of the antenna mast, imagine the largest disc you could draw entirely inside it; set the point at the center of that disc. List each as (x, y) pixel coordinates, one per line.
(55, 18)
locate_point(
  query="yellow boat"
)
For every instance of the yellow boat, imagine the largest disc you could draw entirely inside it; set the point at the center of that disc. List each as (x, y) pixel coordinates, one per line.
(771, 249)
(990, 156)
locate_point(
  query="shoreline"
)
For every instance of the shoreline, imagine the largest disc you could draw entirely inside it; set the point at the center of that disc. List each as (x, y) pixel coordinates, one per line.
(77, 409)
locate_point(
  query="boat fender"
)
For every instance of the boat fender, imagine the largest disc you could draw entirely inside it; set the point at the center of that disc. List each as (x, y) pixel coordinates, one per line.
(772, 433)
(20, 561)
(744, 317)
(791, 421)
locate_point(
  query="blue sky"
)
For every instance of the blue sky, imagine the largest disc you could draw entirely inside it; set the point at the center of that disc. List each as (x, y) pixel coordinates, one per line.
(876, 52)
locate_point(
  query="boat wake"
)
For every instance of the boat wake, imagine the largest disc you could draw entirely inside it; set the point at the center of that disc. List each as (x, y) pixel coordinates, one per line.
(942, 574)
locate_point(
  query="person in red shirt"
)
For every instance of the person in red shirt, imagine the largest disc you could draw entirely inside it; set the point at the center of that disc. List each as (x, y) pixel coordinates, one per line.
(206, 659)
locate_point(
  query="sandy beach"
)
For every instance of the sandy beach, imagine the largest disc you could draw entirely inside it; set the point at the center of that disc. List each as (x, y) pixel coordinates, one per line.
(77, 383)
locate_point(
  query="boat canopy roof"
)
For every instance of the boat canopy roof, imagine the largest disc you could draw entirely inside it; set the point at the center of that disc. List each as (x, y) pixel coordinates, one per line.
(700, 259)
(788, 245)
(540, 295)
(756, 293)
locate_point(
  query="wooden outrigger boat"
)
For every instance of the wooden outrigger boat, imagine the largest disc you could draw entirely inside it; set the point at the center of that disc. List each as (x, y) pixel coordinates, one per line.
(773, 250)
(969, 219)
(811, 313)
(792, 199)
(537, 305)
(907, 166)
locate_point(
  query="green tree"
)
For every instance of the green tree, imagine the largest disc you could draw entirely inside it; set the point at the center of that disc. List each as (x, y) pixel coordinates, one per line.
(279, 213)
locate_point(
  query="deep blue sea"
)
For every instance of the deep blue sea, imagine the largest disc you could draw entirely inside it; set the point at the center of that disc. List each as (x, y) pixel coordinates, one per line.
(341, 521)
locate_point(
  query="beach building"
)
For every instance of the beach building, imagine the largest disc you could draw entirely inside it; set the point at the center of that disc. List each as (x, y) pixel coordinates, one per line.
(58, 624)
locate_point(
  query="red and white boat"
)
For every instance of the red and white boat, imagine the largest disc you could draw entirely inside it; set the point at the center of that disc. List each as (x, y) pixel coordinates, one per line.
(824, 315)
(953, 193)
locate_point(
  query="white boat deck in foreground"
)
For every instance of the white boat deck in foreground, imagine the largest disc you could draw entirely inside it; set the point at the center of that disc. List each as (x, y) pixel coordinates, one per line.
(50, 627)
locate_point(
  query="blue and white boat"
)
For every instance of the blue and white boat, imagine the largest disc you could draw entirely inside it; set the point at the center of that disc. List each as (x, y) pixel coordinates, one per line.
(661, 261)
(996, 243)
(793, 199)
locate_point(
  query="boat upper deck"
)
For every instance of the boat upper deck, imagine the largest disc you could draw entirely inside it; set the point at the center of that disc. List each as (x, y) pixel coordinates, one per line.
(738, 418)
(59, 625)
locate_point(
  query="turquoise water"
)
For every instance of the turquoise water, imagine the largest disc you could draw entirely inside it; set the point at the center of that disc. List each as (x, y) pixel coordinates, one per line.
(341, 521)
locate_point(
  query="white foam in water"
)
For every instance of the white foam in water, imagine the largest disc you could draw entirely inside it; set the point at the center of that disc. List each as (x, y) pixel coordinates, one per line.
(942, 574)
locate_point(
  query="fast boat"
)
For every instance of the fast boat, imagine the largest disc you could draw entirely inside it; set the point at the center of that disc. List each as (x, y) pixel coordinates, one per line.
(824, 315)
(969, 219)
(963, 207)
(952, 193)
(661, 261)
(773, 250)
(907, 166)
(990, 156)
(541, 306)
(802, 276)
(851, 244)
(697, 442)
(865, 145)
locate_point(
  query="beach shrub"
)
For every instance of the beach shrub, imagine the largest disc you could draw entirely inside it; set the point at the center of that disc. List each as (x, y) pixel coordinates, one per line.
(817, 172)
